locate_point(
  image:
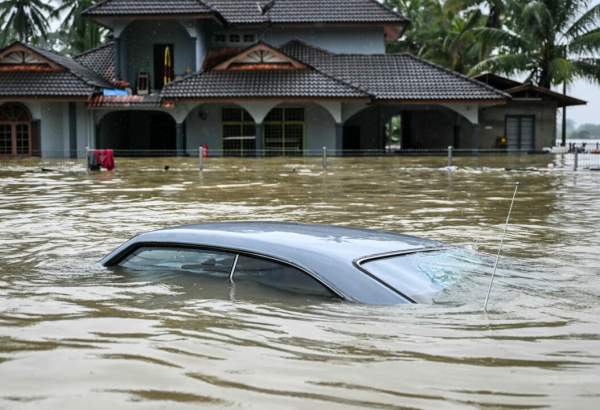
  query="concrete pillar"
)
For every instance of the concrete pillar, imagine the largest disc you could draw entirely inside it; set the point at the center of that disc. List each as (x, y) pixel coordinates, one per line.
(339, 139)
(72, 130)
(180, 138)
(117, 42)
(259, 128)
(477, 136)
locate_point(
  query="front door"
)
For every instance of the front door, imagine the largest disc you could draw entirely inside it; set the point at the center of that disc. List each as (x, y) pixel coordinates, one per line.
(164, 65)
(520, 131)
(15, 138)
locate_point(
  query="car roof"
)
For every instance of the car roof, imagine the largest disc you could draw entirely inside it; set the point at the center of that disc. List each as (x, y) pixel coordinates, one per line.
(326, 251)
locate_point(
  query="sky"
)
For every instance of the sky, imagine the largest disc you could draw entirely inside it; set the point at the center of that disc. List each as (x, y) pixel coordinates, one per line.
(589, 92)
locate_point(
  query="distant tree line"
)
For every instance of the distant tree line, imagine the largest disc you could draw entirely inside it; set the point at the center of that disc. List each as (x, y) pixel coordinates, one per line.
(583, 132)
(550, 41)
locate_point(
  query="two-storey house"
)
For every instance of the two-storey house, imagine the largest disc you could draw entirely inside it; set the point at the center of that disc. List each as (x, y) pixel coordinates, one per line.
(248, 78)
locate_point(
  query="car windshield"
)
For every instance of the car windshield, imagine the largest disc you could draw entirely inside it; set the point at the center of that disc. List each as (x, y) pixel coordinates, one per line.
(422, 275)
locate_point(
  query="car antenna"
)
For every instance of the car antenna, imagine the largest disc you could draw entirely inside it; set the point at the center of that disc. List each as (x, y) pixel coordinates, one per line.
(500, 247)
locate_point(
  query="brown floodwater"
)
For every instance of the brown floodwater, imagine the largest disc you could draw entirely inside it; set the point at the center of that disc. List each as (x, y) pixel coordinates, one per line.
(74, 335)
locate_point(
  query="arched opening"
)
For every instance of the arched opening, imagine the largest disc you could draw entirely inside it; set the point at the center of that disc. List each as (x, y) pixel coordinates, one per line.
(138, 133)
(15, 130)
(408, 127)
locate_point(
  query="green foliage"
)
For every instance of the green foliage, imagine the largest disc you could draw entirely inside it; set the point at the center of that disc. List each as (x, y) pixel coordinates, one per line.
(24, 20)
(80, 34)
(553, 41)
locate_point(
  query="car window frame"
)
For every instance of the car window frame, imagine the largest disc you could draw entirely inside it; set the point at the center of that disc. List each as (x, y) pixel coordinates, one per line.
(336, 293)
(359, 262)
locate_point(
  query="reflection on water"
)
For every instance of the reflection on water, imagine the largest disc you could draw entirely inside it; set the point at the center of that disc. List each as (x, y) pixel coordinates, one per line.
(74, 334)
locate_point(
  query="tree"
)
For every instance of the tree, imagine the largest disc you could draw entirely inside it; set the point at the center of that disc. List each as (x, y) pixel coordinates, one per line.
(553, 41)
(24, 20)
(78, 32)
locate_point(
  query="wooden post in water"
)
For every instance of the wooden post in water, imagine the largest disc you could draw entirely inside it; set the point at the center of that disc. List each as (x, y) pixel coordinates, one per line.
(324, 158)
(450, 148)
(575, 159)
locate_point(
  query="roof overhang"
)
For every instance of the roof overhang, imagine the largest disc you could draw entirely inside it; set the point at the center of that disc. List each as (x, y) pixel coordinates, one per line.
(18, 57)
(562, 100)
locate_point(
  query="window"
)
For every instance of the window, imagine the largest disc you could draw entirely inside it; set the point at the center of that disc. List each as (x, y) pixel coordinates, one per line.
(520, 131)
(205, 262)
(249, 38)
(239, 133)
(252, 276)
(234, 38)
(421, 275)
(257, 272)
(220, 38)
(284, 131)
(15, 130)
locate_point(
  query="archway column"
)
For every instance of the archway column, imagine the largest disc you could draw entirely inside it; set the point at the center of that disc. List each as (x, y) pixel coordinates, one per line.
(259, 131)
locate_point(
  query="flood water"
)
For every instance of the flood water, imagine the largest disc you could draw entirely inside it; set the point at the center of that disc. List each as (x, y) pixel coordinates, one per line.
(74, 335)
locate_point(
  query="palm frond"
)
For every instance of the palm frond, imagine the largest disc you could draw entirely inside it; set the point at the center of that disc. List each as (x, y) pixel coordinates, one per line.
(497, 36)
(587, 43)
(503, 63)
(587, 69)
(587, 21)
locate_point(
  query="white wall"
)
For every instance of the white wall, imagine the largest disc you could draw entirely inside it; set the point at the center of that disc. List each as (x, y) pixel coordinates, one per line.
(360, 40)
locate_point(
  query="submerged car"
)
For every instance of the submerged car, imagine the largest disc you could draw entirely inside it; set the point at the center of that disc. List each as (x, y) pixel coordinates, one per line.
(357, 265)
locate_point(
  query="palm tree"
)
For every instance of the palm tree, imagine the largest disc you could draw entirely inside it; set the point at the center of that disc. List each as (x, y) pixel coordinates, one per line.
(553, 41)
(425, 18)
(24, 20)
(80, 33)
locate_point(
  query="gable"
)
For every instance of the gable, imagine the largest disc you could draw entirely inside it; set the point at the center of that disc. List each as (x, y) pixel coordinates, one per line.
(260, 57)
(23, 59)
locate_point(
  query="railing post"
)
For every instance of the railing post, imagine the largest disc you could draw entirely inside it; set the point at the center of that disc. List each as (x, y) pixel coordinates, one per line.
(201, 158)
(450, 156)
(324, 158)
(575, 160)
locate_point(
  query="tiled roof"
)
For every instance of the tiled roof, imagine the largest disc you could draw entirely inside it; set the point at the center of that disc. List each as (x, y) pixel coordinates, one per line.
(43, 84)
(147, 7)
(248, 12)
(305, 11)
(138, 101)
(76, 81)
(100, 60)
(249, 84)
(394, 76)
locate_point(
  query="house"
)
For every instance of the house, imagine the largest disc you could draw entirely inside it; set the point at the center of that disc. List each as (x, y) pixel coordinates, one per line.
(248, 78)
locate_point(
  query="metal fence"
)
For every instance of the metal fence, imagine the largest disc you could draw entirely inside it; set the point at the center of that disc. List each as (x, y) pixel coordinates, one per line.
(450, 157)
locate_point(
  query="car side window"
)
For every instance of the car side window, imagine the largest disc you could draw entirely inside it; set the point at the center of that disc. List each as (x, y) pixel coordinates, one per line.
(276, 276)
(199, 261)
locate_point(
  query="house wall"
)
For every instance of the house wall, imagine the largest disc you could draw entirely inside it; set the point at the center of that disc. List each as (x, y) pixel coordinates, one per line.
(359, 40)
(138, 42)
(319, 128)
(493, 122)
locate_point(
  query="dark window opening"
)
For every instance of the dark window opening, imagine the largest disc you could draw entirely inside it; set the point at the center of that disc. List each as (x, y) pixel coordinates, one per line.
(234, 38)
(249, 38)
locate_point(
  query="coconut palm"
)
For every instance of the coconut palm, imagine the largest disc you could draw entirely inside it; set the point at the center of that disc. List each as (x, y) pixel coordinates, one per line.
(25, 20)
(80, 33)
(553, 41)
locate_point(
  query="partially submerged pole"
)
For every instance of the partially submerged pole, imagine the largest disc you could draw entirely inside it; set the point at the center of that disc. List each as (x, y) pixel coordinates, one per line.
(450, 148)
(576, 159)
(324, 158)
(201, 158)
(500, 247)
